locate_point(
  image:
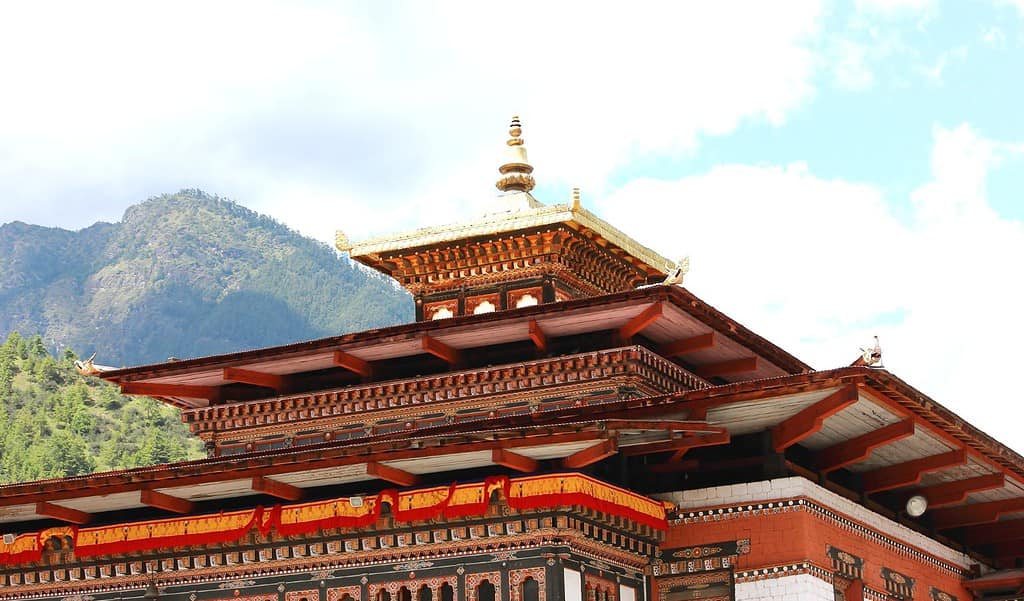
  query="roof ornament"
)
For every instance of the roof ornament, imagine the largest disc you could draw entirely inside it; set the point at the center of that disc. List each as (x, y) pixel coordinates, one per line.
(341, 241)
(515, 172)
(677, 272)
(870, 357)
(88, 368)
(575, 199)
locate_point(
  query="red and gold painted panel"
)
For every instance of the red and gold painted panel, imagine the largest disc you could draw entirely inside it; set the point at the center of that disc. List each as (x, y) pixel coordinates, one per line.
(600, 589)
(455, 500)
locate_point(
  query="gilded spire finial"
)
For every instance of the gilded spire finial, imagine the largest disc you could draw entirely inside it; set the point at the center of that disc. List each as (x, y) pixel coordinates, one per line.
(515, 172)
(575, 199)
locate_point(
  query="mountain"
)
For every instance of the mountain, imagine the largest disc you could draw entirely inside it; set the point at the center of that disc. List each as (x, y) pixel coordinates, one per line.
(183, 275)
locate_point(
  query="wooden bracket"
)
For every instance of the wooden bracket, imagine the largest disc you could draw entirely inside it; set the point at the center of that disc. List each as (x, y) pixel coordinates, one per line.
(589, 455)
(810, 420)
(166, 502)
(725, 368)
(537, 335)
(279, 384)
(209, 393)
(353, 364)
(860, 448)
(687, 345)
(909, 473)
(638, 323)
(441, 350)
(951, 493)
(64, 514)
(391, 474)
(276, 488)
(514, 461)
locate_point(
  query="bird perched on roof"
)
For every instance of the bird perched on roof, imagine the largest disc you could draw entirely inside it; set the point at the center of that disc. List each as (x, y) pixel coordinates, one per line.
(676, 274)
(870, 356)
(88, 368)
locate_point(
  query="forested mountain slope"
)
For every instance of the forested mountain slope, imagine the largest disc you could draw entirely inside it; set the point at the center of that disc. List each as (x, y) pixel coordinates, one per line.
(183, 275)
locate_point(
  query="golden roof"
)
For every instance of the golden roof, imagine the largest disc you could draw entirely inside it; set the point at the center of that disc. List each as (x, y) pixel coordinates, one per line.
(536, 215)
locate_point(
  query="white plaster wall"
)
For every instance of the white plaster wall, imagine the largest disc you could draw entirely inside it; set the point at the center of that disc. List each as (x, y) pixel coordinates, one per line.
(802, 587)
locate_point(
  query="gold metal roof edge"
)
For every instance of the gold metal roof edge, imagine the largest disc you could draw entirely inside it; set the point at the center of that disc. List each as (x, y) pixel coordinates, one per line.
(508, 222)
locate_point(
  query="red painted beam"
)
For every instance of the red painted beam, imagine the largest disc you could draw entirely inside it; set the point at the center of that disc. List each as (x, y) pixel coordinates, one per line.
(64, 514)
(687, 345)
(515, 461)
(1014, 550)
(166, 502)
(975, 513)
(638, 323)
(910, 472)
(537, 335)
(810, 419)
(683, 443)
(590, 455)
(725, 368)
(209, 393)
(1008, 531)
(667, 424)
(441, 350)
(353, 364)
(859, 448)
(952, 493)
(276, 488)
(278, 384)
(391, 474)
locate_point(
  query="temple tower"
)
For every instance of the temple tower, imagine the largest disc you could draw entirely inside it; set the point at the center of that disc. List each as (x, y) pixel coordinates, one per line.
(519, 252)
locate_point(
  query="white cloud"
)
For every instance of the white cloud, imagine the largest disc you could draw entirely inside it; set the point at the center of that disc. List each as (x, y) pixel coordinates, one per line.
(125, 99)
(897, 8)
(934, 72)
(819, 266)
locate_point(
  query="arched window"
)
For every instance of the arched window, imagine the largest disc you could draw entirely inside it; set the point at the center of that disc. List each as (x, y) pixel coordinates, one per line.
(442, 313)
(425, 594)
(485, 591)
(484, 307)
(404, 594)
(346, 597)
(383, 595)
(447, 592)
(531, 590)
(526, 300)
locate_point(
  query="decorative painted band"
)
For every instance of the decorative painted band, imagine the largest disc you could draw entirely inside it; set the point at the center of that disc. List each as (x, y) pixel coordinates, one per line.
(455, 500)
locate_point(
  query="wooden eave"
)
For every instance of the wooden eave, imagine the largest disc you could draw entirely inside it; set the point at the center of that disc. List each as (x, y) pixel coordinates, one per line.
(377, 253)
(558, 436)
(684, 317)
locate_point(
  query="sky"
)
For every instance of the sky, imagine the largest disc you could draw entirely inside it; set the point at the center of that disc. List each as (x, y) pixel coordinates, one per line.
(834, 170)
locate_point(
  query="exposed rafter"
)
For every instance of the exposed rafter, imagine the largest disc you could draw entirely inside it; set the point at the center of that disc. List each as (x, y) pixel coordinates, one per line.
(166, 502)
(725, 368)
(638, 323)
(859, 448)
(589, 455)
(514, 461)
(809, 420)
(666, 424)
(353, 364)
(64, 514)
(910, 472)
(435, 347)
(687, 345)
(537, 335)
(209, 393)
(276, 488)
(279, 384)
(975, 513)
(1001, 532)
(683, 443)
(391, 474)
(951, 493)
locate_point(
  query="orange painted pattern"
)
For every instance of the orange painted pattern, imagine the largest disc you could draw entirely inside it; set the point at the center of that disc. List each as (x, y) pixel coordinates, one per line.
(451, 501)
